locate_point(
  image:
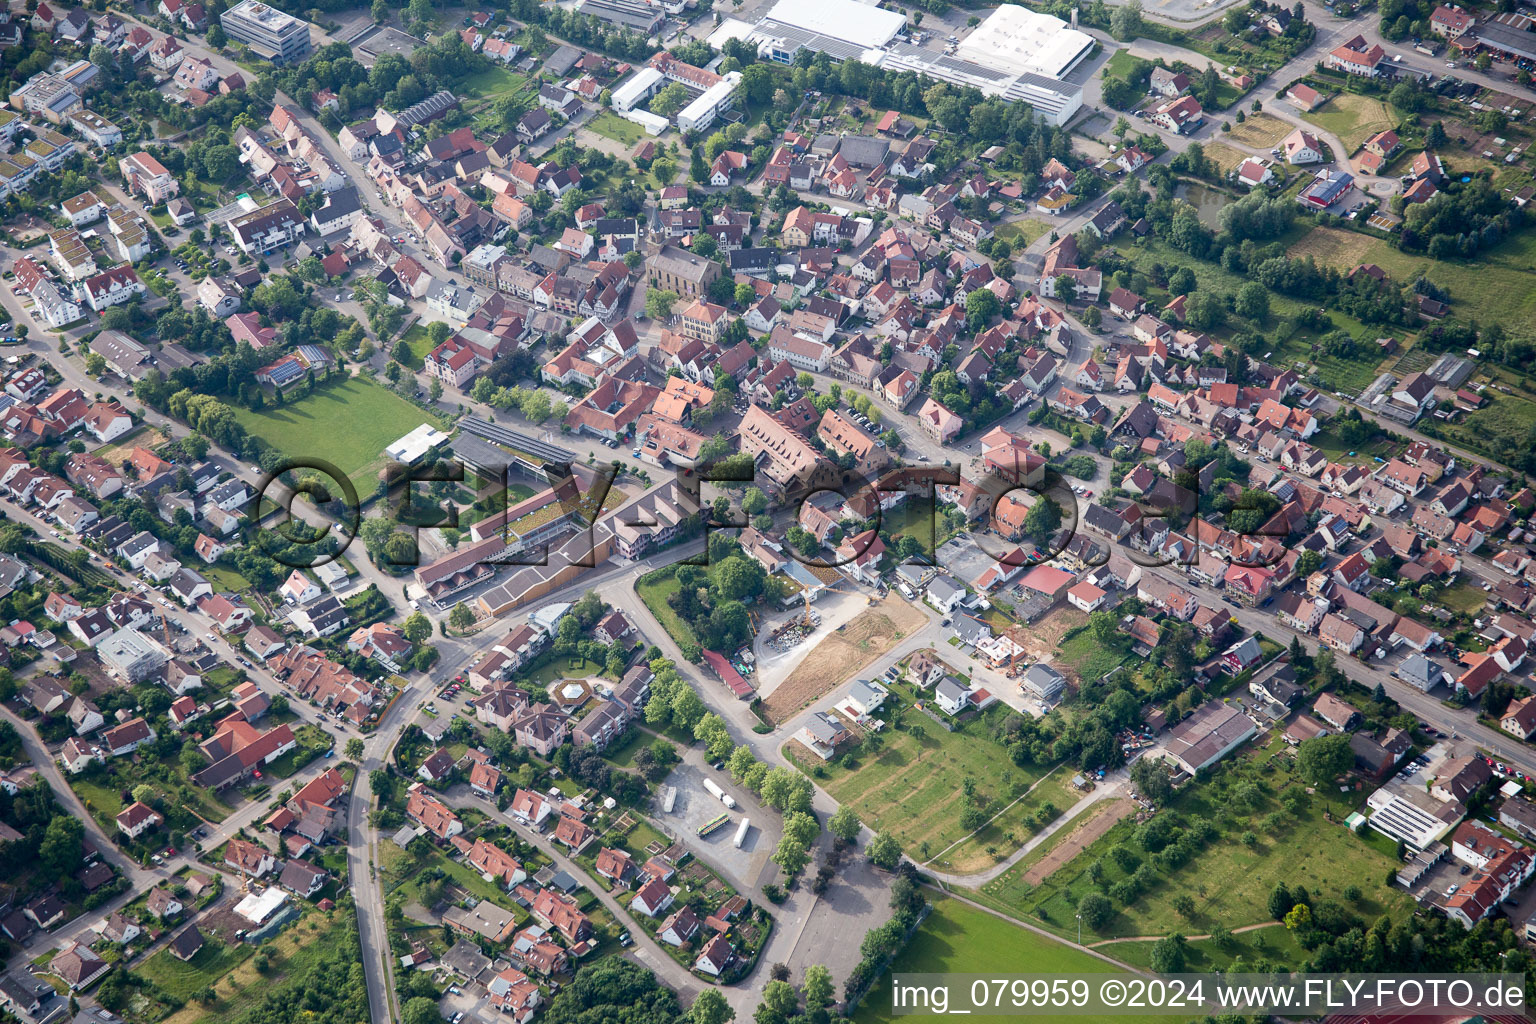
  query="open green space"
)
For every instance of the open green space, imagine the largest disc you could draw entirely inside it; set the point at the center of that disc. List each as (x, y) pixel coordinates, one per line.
(416, 340)
(1267, 829)
(348, 423)
(1012, 826)
(1353, 118)
(654, 591)
(1270, 943)
(910, 778)
(957, 938)
(495, 80)
(184, 979)
(611, 126)
(1022, 232)
(1092, 659)
(292, 957)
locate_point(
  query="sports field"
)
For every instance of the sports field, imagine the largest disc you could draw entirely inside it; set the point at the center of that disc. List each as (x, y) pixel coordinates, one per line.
(347, 424)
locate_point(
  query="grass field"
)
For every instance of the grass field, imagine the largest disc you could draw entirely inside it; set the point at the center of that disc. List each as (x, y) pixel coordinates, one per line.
(291, 956)
(183, 980)
(494, 81)
(1090, 659)
(1494, 287)
(1225, 156)
(417, 341)
(1011, 827)
(1228, 880)
(1012, 886)
(960, 939)
(1022, 232)
(1262, 131)
(1353, 118)
(655, 594)
(913, 784)
(346, 423)
(611, 126)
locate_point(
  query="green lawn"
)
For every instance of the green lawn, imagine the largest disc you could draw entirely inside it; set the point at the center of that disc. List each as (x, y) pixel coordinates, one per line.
(420, 345)
(1012, 827)
(960, 939)
(1353, 118)
(610, 125)
(494, 81)
(226, 579)
(1092, 659)
(182, 980)
(347, 424)
(912, 785)
(1022, 232)
(291, 956)
(655, 594)
(1228, 880)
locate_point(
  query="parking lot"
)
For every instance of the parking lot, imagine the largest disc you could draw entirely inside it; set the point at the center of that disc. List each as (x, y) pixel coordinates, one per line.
(695, 805)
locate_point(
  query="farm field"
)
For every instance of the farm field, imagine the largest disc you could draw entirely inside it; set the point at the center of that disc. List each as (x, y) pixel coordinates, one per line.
(1353, 118)
(843, 654)
(912, 784)
(957, 938)
(1262, 131)
(348, 423)
(1270, 830)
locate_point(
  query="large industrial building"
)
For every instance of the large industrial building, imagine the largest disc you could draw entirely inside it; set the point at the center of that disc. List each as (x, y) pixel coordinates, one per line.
(842, 29)
(278, 37)
(1016, 54)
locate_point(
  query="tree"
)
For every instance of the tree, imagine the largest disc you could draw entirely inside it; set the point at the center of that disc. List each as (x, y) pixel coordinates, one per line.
(710, 1008)
(354, 749)
(817, 988)
(1125, 22)
(60, 851)
(420, 1010)
(1323, 759)
(1252, 302)
(417, 627)
(658, 304)
(845, 824)
(144, 794)
(216, 37)
(791, 855)
(1043, 519)
(1168, 955)
(461, 617)
(980, 307)
(1095, 910)
(1299, 917)
(778, 1005)
(884, 851)
(1280, 901)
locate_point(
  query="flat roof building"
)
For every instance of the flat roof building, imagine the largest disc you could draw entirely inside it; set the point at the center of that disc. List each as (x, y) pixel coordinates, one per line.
(270, 33)
(701, 113)
(842, 29)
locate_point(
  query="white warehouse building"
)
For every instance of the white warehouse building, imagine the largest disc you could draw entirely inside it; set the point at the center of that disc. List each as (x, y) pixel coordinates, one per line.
(842, 29)
(716, 100)
(640, 86)
(1016, 54)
